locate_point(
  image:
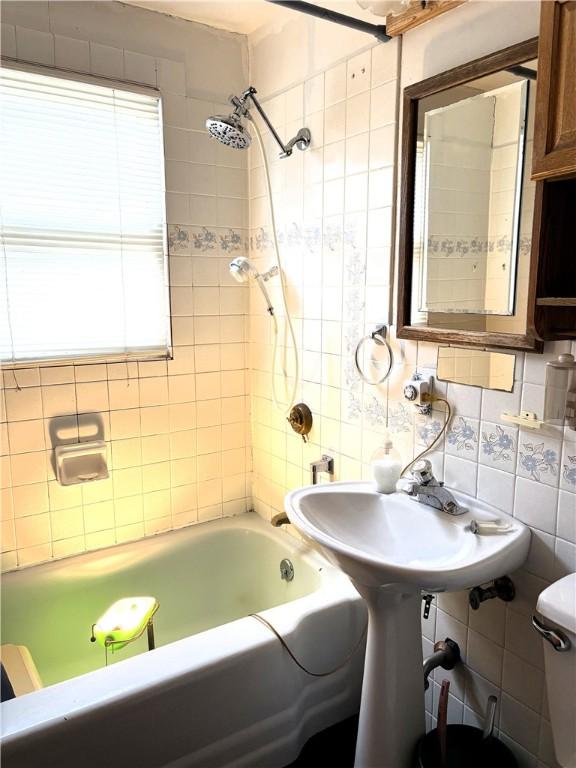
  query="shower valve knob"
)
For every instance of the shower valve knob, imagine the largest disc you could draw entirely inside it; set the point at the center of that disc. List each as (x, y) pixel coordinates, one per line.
(300, 419)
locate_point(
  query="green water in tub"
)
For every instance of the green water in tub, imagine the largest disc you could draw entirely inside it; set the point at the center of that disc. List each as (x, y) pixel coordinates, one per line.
(200, 580)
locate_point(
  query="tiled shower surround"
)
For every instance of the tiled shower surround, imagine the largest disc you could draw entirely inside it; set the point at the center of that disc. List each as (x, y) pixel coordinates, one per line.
(177, 430)
(186, 421)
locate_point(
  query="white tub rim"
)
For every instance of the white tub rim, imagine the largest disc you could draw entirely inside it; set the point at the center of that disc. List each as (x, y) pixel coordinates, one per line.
(136, 676)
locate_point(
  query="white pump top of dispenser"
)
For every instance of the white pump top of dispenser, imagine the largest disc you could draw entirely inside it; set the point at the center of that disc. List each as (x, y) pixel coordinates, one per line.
(565, 360)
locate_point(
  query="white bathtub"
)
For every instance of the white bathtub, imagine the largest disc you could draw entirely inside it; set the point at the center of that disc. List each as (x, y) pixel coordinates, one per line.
(219, 690)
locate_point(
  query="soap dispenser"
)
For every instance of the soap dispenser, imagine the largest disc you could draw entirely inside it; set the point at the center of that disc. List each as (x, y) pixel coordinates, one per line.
(386, 468)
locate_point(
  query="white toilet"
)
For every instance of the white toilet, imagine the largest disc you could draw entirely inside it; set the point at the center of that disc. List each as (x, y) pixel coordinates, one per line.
(557, 625)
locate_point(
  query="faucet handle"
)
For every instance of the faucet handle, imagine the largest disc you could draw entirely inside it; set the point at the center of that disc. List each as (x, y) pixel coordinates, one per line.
(405, 485)
(422, 472)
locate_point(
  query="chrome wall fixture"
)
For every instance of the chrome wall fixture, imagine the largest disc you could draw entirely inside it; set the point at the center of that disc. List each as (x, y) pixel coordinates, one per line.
(378, 30)
(323, 465)
(557, 639)
(378, 337)
(243, 270)
(231, 131)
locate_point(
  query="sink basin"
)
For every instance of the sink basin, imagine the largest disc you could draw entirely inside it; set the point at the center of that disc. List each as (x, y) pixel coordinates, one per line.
(393, 547)
(378, 539)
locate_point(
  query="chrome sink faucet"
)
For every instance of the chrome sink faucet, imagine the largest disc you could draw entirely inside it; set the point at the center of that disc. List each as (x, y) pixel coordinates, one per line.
(427, 490)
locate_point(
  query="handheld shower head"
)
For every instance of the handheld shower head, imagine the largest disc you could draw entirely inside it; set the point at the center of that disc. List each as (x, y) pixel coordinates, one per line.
(242, 270)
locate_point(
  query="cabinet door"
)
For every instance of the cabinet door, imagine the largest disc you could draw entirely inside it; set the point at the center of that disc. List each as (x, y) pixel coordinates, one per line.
(555, 125)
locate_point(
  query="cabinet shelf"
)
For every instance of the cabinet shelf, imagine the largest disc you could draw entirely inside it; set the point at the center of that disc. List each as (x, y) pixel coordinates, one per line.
(560, 301)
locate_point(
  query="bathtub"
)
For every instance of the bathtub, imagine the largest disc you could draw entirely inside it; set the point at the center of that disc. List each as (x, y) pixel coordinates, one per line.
(219, 689)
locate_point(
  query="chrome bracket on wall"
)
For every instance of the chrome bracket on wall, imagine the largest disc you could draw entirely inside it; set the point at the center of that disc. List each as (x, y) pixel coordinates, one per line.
(325, 464)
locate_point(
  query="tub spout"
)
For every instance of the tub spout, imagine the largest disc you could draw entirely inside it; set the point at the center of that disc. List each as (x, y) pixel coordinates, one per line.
(446, 655)
(325, 464)
(281, 518)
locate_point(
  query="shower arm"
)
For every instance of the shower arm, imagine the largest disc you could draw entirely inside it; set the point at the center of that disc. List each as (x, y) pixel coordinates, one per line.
(302, 138)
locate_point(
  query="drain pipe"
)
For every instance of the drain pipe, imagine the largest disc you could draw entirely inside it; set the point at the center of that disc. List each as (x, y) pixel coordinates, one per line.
(446, 655)
(378, 30)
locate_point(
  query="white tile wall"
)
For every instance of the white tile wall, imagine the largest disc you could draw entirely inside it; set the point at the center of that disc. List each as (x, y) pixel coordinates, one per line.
(178, 432)
(332, 255)
(171, 463)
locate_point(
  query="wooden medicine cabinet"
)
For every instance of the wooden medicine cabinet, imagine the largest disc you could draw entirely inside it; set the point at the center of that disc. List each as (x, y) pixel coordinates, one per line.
(555, 130)
(482, 245)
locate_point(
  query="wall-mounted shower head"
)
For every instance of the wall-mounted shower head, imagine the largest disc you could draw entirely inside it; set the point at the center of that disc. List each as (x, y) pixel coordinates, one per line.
(243, 270)
(231, 131)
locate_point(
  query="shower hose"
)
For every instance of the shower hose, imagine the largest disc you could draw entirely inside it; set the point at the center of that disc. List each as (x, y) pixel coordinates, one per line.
(284, 645)
(296, 374)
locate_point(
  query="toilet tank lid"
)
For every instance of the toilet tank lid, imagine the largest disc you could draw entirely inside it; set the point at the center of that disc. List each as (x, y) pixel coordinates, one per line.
(558, 603)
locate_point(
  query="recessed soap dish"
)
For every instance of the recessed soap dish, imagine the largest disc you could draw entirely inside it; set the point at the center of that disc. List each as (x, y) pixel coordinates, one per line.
(81, 462)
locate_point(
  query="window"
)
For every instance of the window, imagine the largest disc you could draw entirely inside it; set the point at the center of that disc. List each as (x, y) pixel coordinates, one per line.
(83, 265)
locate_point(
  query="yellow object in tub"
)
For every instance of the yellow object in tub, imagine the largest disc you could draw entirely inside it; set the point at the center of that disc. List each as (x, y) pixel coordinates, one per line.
(124, 622)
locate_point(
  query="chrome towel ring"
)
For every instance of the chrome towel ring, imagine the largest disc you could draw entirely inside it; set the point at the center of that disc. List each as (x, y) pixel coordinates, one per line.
(379, 338)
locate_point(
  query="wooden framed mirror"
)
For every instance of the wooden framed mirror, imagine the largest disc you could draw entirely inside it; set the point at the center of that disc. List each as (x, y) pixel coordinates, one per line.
(467, 261)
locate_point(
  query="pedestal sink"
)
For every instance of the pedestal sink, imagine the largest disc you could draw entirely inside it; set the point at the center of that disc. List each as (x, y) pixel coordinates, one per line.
(393, 548)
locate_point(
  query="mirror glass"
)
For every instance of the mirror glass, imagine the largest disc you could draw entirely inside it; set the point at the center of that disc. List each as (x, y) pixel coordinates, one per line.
(473, 203)
(471, 184)
(476, 367)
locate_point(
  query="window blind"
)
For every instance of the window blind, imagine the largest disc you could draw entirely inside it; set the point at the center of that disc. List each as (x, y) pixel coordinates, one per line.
(82, 221)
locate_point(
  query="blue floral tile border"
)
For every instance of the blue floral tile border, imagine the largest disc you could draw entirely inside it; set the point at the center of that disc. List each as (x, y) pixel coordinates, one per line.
(498, 446)
(183, 240)
(399, 418)
(462, 437)
(539, 461)
(568, 479)
(375, 411)
(427, 429)
(474, 246)
(313, 235)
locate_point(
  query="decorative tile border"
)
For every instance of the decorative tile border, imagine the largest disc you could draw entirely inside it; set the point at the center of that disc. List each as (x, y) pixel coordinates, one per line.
(375, 411)
(462, 437)
(498, 447)
(353, 311)
(178, 239)
(352, 408)
(399, 419)
(474, 246)
(188, 240)
(310, 237)
(569, 473)
(427, 430)
(260, 241)
(539, 462)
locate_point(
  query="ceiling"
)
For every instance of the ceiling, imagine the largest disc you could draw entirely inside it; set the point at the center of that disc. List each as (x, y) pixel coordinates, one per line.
(244, 16)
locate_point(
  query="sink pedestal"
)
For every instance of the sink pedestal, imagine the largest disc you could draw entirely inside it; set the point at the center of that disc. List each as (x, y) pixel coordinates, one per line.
(388, 539)
(392, 707)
